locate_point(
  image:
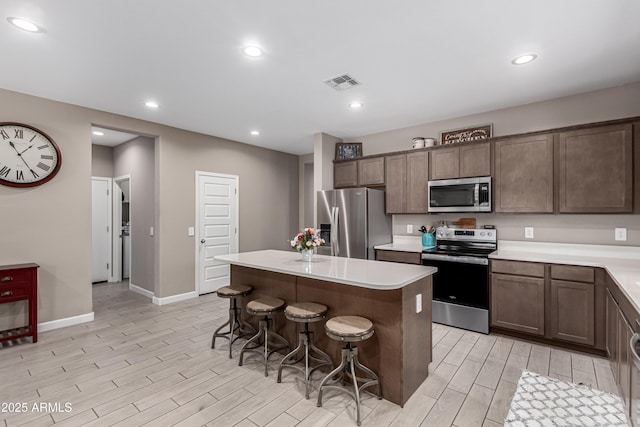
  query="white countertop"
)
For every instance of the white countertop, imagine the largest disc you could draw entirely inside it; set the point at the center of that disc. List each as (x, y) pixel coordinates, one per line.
(403, 244)
(349, 271)
(621, 262)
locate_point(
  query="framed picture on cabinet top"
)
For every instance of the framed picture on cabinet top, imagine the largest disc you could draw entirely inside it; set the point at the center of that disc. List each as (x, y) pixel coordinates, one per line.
(472, 133)
(348, 150)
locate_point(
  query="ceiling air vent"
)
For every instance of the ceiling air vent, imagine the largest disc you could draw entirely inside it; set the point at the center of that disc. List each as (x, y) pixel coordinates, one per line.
(342, 82)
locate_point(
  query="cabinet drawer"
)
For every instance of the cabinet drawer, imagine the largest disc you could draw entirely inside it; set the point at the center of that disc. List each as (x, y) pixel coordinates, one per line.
(573, 273)
(14, 291)
(518, 268)
(397, 256)
(8, 277)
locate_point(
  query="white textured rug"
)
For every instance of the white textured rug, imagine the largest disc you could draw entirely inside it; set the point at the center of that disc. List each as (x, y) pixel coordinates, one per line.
(541, 401)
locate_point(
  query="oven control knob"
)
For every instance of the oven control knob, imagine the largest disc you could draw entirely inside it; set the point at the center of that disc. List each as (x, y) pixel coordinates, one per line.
(489, 234)
(482, 233)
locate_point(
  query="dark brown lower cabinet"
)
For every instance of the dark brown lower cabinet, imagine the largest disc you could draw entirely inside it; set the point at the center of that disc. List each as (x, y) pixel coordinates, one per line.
(612, 333)
(624, 359)
(572, 312)
(517, 303)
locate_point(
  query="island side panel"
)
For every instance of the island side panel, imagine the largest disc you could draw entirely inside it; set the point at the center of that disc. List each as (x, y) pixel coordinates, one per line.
(268, 283)
(417, 344)
(383, 351)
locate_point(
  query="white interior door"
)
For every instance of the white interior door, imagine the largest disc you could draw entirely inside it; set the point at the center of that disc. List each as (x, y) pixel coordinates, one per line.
(101, 230)
(217, 223)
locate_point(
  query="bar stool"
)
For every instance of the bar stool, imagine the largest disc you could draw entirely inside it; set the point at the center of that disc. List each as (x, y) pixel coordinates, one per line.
(350, 329)
(235, 322)
(305, 312)
(264, 306)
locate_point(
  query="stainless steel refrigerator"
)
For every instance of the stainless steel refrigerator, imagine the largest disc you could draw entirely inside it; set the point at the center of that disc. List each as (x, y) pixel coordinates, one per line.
(352, 222)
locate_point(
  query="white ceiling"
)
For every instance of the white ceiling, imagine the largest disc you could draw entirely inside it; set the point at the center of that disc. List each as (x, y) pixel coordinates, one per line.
(110, 137)
(418, 60)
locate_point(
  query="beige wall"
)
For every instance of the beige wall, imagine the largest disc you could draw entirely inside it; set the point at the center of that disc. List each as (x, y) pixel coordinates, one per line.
(306, 191)
(614, 103)
(101, 161)
(606, 104)
(324, 146)
(51, 224)
(136, 158)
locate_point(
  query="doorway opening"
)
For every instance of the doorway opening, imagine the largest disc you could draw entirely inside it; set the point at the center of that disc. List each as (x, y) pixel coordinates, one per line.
(128, 160)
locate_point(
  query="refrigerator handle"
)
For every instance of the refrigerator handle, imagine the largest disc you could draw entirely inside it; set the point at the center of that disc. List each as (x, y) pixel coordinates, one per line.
(334, 229)
(332, 235)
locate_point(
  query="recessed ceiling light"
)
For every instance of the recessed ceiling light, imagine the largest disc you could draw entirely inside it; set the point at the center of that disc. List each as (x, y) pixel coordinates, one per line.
(255, 132)
(98, 133)
(356, 105)
(252, 51)
(151, 104)
(524, 59)
(24, 24)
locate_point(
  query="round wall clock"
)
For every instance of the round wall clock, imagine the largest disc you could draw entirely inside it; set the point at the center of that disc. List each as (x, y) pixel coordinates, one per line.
(28, 156)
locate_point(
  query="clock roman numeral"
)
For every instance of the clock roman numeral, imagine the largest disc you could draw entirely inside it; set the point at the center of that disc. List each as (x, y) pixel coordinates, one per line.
(45, 157)
(32, 138)
(18, 133)
(5, 171)
(4, 134)
(19, 175)
(43, 166)
(42, 147)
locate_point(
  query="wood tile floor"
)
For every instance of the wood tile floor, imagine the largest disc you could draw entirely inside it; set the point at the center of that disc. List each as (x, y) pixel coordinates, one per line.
(142, 364)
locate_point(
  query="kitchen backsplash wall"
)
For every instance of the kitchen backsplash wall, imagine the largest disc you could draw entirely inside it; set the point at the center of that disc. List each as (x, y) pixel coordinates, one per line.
(582, 229)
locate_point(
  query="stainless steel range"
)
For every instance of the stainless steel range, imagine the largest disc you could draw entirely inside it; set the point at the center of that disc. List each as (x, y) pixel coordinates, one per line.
(461, 285)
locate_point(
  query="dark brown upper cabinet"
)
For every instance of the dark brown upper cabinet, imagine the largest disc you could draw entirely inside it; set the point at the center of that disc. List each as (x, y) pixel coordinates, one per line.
(465, 161)
(417, 180)
(371, 171)
(523, 176)
(406, 177)
(345, 174)
(396, 183)
(595, 170)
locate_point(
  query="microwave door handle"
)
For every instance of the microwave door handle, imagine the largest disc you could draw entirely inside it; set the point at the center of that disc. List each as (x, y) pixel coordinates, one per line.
(476, 194)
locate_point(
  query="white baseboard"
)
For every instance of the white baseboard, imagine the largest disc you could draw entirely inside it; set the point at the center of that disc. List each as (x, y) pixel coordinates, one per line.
(141, 291)
(174, 298)
(67, 321)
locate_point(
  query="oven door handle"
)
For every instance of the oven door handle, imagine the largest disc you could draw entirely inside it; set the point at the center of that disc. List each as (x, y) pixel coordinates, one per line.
(459, 259)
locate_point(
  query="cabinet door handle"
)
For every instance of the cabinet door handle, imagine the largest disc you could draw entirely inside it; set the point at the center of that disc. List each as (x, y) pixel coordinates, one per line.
(6, 294)
(6, 279)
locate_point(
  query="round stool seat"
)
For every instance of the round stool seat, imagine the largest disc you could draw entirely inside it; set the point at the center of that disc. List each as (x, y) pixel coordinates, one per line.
(234, 291)
(305, 312)
(349, 328)
(264, 305)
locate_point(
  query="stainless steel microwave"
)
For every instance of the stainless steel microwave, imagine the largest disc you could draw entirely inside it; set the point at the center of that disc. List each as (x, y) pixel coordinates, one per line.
(460, 195)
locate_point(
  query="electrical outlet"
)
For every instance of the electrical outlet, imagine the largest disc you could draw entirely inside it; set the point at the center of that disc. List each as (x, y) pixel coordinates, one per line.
(418, 303)
(528, 232)
(191, 231)
(621, 234)
(409, 228)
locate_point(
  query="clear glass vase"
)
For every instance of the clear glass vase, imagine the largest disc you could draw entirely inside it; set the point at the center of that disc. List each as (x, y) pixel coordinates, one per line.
(307, 254)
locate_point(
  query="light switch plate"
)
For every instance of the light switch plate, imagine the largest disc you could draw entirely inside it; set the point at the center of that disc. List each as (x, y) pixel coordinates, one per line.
(528, 232)
(151, 231)
(418, 303)
(621, 234)
(191, 231)
(409, 228)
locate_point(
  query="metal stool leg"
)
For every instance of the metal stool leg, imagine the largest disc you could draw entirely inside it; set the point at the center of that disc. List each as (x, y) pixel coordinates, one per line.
(265, 332)
(348, 367)
(305, 342)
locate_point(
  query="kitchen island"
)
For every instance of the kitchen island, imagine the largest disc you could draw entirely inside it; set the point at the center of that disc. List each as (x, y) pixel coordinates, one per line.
(388, 294)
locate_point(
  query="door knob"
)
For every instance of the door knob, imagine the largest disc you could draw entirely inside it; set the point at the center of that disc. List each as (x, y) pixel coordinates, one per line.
(202, 241)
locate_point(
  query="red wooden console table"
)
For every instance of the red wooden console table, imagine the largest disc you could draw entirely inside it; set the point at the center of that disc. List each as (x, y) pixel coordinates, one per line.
(20, 282)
